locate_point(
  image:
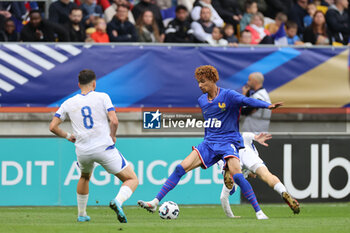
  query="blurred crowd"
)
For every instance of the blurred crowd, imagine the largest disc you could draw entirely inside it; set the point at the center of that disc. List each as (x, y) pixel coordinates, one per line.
(216, 22)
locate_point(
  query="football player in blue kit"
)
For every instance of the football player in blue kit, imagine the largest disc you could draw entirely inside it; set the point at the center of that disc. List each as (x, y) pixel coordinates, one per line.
(221, 142)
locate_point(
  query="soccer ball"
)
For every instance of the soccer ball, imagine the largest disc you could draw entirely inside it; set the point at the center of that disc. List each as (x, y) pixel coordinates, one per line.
(169, 210)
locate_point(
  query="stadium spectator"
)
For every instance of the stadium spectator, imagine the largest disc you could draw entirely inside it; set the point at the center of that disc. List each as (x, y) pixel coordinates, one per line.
(203, 28)
(256, 27)
(112, 10)
(228, 10)
(59, 11)
(179, 29)
(217, 37)
(229, 34)
(196, 12)
(120, 29)
(291, 31)
(338, 21)
(317, 33)
(311, 9)
(187, 3)
(90, 11)
(89, 32)
(251, 8)
(279, 20)
(256, 120)
(4, 14)
(275, 6)
(143, 5)
(41, 30)
(17, 10)
(75, 27)
(164, 4)
(9, 32)
(147, 28)
(297, 14)
(100, 35)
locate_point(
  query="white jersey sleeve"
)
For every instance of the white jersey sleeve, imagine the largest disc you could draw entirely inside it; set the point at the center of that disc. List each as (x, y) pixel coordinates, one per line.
(62, 112)
(108, 103)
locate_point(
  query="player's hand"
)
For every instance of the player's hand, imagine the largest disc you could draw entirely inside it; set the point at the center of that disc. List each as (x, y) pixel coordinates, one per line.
(72, 138)
(262, 138)
(245, 89)
(276, 105)
(114, 138)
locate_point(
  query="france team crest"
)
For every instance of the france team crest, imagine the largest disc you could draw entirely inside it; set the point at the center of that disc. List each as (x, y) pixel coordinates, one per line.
(152, 120)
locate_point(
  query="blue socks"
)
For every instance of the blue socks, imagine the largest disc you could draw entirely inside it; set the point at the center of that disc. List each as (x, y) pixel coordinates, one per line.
(171, 182)
(247, 190)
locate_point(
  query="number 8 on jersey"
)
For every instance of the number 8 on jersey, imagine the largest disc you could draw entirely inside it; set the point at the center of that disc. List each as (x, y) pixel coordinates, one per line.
(88, 121)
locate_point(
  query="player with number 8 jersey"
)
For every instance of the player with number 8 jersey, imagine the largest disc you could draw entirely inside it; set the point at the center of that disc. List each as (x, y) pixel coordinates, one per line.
(88, 113)
(94, 137)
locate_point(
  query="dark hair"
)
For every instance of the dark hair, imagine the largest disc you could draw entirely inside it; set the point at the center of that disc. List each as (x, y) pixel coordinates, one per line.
(291, 24)
(75, 8)
(181, 7)
(9, 20)
(140, 24)
(125, 6)
(34, 11)
(248, 3)
(86, 76)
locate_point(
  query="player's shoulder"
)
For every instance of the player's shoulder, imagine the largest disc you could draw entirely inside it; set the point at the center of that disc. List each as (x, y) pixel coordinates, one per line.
(228, 92)
(202, 98)
(70, 100)
(98, 94)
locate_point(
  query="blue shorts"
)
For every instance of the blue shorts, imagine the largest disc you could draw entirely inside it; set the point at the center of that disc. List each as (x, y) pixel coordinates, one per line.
(211, 153)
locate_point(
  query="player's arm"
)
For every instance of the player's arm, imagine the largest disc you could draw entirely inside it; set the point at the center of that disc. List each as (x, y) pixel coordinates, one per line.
(113, 124)
(251, 102)
(54, 128)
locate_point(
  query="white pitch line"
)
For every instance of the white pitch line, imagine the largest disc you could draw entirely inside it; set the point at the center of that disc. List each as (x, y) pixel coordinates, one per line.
(12, 75)
(50, 52)
(19, 64)
(70, 49)
(30, 56)
(6, 86)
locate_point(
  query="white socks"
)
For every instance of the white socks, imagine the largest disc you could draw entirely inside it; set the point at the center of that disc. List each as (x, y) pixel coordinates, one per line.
(225, 203)
(124, 194)
(155, 202)
(82, 202)
(280, 188)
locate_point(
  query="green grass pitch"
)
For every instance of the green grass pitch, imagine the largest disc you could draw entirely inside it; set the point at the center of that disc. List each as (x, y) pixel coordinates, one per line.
(208, 218)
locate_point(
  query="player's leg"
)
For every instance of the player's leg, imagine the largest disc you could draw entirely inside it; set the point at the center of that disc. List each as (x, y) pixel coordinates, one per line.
(86, 166)
(83, 196)
(225, 203)
(191, 162)
(247, 190)
(130, 183)
(265, 175)
(115, 163)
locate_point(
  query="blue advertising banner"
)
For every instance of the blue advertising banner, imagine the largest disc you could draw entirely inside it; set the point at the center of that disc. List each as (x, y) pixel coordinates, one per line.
(162, 76)
(43, 171)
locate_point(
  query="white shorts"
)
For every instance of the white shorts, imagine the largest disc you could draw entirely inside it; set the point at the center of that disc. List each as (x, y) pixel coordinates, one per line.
(250, 159)
(111, 160)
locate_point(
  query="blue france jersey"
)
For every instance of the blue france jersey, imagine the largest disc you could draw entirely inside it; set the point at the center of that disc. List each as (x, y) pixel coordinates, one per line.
(226, 108)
